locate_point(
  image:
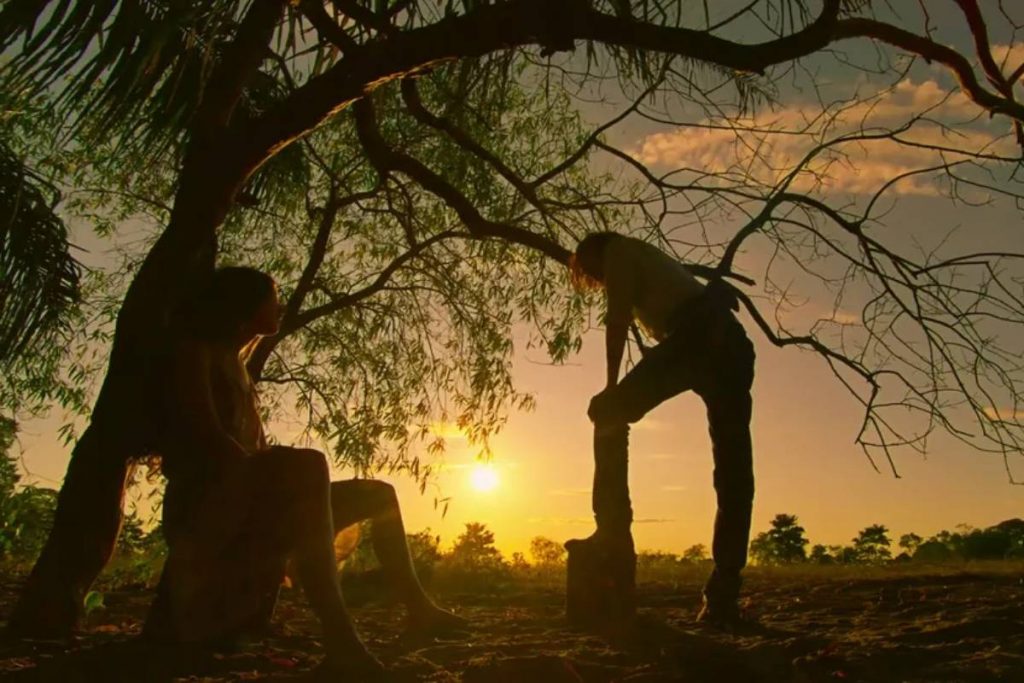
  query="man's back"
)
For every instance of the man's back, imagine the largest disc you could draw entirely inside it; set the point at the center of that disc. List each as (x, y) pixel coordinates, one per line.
(643, 281)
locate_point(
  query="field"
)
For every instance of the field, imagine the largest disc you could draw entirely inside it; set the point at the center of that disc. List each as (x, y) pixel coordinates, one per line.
(898, 623)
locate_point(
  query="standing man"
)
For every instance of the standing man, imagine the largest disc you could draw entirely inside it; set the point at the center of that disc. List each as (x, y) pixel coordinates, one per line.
(701, 346)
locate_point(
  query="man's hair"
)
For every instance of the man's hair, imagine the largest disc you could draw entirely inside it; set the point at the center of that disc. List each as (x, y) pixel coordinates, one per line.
(592, 244)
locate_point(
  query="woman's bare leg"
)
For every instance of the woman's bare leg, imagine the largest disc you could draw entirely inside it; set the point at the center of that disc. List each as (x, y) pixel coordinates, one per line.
(292, 486)
(356, 500)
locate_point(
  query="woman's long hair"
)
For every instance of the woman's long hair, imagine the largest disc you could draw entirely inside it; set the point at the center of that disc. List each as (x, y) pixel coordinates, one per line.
(228, 300)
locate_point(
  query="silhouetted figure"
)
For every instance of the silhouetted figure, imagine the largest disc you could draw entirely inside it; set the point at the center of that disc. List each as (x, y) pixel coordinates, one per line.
(236, 510)
(701, 346)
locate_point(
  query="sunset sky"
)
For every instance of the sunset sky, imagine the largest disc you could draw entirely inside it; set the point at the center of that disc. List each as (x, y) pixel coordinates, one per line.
(804, 424)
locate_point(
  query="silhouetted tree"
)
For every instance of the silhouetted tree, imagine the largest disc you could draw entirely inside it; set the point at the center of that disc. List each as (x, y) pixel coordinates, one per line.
(474, 548)
(26, 512)
(820, 555)
(784, 543)
(695, 553)
(546, 553)
(933, 550)
(228, 88)
(518, 562)
(872, 544)
(424, 547)
(910, 542)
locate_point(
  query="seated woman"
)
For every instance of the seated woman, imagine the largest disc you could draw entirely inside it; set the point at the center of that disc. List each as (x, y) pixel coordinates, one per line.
(236, 510)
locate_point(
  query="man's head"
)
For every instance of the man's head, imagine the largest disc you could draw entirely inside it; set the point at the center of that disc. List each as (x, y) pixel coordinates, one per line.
(587, 264)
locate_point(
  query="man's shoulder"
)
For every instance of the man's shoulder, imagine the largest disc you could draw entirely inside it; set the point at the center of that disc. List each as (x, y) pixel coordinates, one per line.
(633, 250)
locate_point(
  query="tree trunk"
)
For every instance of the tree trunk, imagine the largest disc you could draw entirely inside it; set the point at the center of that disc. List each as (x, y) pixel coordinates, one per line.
(600, 582)
(125, 421)
(85, 529)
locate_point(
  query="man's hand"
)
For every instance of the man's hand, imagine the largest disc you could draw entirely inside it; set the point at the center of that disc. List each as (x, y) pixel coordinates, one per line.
(602, 412)
(601, 409)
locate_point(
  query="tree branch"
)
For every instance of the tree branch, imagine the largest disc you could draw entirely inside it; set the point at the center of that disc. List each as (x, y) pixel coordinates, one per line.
(306, 317)
(388, 160)
(317, 252)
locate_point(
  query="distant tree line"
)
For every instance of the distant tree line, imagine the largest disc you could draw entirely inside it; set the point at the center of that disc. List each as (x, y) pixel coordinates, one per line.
(473, 561)
(786, 543)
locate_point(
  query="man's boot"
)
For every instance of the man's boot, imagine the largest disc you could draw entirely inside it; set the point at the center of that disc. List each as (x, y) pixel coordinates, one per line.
(720, 604)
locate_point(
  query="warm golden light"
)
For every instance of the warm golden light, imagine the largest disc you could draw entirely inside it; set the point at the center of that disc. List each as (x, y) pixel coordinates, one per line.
(483, 478)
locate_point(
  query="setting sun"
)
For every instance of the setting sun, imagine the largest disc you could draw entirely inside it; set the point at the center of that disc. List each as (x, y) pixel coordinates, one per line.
(483, 478)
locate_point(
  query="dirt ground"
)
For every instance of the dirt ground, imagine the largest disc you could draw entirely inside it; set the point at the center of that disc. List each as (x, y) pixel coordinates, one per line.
(939, 626)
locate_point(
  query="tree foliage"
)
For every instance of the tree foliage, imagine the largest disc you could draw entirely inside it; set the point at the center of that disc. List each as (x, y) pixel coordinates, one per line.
(726, 135)
(474, 548)
(451, 123)
(872, 544)
(547, 553)
(784, 543)
(26, 513)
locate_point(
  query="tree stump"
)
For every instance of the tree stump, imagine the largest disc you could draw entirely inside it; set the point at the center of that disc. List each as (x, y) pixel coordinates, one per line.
(600, 581)
(601, 569)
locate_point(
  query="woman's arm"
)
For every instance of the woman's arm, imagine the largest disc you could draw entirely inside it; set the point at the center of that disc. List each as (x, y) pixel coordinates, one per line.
(193, 397)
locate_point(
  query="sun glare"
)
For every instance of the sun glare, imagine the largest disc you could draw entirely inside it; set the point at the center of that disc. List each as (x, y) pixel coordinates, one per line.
(483, 478)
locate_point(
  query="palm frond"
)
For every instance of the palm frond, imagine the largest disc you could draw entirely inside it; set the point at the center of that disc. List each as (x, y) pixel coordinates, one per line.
(38, 276)
(140, 64)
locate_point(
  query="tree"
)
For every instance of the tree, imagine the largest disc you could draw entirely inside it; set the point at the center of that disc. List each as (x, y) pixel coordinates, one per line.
(518, 562)
(872, 544)
(844, 554)
(39, 281)
(695, 553)
(932, 551)
(424, 547)
(26, 513)
(784, 543)
(474, 548)
(227, 88)
(820, 555)
(910, 542)
(546, 553)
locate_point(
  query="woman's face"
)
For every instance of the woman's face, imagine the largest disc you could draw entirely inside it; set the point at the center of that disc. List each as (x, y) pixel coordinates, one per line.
(267, 320)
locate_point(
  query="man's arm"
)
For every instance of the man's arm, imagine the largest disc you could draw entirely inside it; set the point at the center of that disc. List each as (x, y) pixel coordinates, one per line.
(615, 343)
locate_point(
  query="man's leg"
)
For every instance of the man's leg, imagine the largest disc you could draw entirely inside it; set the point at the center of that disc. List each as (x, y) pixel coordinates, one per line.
(729, 424)
(662, 373)
(356, 500)
(610, 494)
(666, 370)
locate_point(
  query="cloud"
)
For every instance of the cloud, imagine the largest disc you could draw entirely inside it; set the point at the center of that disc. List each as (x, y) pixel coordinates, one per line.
(660, 456)
(649, 425)
(769, 145)
(590, 520)
(841, 316)
(570, 492)
(1005, 414)
(1009, 57)
(561, 520)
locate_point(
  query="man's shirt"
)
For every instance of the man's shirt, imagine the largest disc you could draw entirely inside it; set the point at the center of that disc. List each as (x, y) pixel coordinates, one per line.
(644, 283)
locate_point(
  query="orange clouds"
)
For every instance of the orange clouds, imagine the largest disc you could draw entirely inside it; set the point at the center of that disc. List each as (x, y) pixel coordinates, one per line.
(1004, 414)
(1009, 57)
(938, 127)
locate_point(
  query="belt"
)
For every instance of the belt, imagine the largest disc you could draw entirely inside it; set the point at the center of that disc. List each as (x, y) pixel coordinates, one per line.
(705, 306)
